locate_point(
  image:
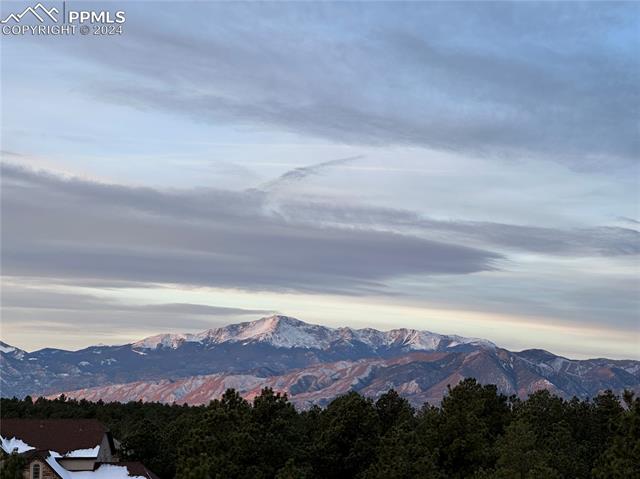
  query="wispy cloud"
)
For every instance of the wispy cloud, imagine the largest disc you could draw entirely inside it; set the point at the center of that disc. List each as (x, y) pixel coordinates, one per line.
(56, 227)
(64, 310)
(483, 81)
(299, 174)
(506, 238)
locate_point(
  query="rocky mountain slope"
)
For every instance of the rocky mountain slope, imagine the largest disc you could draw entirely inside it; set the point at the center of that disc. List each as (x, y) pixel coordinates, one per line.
(312, 363)
(418, 376)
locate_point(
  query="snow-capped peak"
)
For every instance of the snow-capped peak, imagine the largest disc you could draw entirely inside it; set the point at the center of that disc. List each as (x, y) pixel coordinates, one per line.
(8, 349)
(5, 348)
(274, 329)
(163, 340)
(277, 330)
(287, 332)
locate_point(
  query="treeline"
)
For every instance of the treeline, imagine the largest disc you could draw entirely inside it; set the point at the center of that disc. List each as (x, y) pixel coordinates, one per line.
(474, 433)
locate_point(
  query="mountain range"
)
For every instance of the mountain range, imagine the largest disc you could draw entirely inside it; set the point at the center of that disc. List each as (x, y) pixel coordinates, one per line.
(312, 363)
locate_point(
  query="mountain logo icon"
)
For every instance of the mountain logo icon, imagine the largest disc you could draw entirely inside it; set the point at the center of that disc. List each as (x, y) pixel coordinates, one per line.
(39, 11)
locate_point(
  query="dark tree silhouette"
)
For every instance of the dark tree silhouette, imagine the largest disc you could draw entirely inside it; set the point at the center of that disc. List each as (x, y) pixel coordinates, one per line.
(475, 433)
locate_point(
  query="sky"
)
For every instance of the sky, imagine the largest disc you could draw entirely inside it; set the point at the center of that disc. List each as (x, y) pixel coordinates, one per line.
(463, 168)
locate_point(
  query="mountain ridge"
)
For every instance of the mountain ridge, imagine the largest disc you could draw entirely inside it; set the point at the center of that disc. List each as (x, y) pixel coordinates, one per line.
(287, 332)
(324, 361)
(419, 376)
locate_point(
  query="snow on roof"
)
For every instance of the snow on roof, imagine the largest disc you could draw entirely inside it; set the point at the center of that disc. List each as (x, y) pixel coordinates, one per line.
(104, 471)
(15, 444)
(108, 471)
(61, 435)
(91, 452)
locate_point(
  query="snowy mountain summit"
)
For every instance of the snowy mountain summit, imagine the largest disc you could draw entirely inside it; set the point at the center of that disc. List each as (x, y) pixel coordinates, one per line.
(10, 350)
(287, 332)
(310, 362)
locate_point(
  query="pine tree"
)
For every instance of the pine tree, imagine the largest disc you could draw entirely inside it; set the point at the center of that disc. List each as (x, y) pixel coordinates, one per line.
(11, 466)
(471, 418)
(621, 459)
(519, 456)
(393, 409)
(348, 437)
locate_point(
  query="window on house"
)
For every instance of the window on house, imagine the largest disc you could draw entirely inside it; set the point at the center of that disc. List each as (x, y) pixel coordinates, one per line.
(35, 471)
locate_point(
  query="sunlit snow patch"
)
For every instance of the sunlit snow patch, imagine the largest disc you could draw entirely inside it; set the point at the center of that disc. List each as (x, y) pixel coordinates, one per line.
(15, 445)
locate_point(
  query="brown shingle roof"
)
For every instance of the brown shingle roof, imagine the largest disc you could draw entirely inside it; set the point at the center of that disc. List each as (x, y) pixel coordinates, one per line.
(60, 435)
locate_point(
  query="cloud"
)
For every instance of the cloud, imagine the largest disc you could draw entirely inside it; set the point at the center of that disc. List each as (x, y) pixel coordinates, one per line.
(200, 309)
(30, 307)
(71, 228)
(552, 80)
(571, 242)
(584, 293)
(299, 174)
(92, 232)
(70, 232)
(43, 299)
(629, 220)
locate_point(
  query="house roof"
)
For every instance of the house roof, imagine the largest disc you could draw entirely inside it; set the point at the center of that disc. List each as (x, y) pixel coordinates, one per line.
(60, 435)
(134, 469)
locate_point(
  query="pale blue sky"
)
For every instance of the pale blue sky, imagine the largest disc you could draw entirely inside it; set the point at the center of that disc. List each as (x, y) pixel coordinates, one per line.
(489, 185)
